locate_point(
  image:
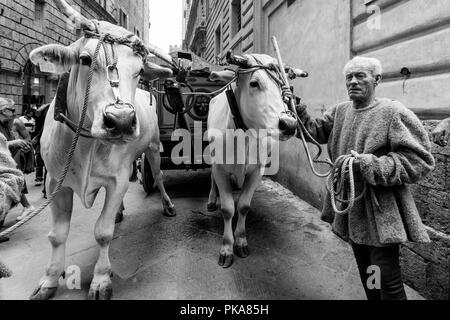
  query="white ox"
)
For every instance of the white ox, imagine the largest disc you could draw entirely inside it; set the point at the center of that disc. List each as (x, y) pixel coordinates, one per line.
(120, 132)
(260, 103)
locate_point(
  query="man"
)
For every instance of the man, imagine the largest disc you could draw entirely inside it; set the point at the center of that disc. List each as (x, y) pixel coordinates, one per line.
(392, 149)
(441, 134)
(19, 148)
(41, 114)
(11, 184)
(28, 121)
(11, 181)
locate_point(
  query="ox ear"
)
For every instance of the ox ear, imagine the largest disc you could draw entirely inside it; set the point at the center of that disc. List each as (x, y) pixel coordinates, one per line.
(225, 76)
(152, 72)
(54, 58)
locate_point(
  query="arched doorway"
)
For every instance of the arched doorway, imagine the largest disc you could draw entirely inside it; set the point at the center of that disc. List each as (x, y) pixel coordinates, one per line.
(38, 87)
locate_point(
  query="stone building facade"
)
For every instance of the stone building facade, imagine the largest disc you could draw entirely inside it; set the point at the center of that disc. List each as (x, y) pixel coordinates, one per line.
(320, 36)
(28, 24)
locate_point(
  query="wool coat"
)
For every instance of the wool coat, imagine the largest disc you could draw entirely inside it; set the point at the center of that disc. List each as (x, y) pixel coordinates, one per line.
(394, 150)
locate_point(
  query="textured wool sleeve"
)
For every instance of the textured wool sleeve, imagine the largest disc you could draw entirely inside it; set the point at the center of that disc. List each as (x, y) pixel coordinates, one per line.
(11, 179)
(319, 128)
(409, 159)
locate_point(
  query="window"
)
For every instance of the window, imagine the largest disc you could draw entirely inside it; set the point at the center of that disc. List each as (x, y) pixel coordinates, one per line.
(236, 17)
(218, 41)
(123, 19)
(39, 10)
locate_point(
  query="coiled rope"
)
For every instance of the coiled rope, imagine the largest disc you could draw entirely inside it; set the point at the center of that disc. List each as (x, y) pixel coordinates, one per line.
(337, 182)
(7, 232)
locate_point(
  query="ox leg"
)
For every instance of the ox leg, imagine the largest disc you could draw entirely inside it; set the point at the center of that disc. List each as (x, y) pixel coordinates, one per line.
(227, 206)
(61, 209)
(251, 183)
(101, 285)
(154, 158)
(213, 196)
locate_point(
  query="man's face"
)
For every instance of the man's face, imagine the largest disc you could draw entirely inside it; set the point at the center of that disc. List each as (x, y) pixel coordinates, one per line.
(8, 112)
(360, 84)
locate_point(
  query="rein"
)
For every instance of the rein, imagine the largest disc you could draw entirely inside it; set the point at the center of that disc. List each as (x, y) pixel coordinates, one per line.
(4, 235)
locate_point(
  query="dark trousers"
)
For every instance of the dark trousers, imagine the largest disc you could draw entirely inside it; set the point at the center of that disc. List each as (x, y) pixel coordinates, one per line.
(387, 259)
(39, 166)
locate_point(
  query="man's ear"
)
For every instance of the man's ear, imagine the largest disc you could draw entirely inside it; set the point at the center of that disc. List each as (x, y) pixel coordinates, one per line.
(54, 57)
(152, 72)
(225, 76)
(378, 79)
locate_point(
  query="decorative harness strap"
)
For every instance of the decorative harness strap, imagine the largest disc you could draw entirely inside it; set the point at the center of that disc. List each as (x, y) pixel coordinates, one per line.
(232, 102)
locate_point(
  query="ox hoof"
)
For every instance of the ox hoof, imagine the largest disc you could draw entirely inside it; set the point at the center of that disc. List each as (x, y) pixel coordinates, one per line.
(119, 217)
(101, 293)
(225, 261)
(43, 293)
(170, 212)
(242, 252)
(212, 207)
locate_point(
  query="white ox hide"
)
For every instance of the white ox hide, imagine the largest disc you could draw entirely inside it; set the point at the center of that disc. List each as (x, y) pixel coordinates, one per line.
(260, 103)
(104, 161)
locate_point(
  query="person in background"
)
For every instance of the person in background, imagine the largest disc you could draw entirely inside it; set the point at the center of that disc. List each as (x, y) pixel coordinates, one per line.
(391, 149)
(19, 148)
(11, 185)
(40, 115)
(11, 181)
(29, 121)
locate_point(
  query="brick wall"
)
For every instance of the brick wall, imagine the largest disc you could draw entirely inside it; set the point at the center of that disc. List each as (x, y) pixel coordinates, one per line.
(21, 32)
(426, 268)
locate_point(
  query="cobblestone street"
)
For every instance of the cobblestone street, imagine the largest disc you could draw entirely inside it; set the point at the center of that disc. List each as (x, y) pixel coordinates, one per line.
(294, 255)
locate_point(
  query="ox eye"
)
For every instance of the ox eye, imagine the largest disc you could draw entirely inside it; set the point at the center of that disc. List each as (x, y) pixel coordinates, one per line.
(86, 60)
(254, 84)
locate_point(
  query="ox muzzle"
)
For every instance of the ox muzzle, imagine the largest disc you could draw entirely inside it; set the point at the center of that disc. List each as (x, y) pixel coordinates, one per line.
(288, 124)
(120, 119)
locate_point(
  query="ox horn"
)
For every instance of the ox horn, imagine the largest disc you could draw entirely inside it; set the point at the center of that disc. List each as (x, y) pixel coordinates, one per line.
(161, 54)
(74, 15)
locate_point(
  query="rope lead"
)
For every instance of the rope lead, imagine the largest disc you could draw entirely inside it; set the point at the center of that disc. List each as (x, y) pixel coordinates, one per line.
(336, 184)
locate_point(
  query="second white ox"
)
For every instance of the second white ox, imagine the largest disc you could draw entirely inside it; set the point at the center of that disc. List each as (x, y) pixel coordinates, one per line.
(123, 125)
(261, 108)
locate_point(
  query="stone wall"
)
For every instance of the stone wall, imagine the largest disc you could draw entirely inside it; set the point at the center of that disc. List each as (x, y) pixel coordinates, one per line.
(427, 267)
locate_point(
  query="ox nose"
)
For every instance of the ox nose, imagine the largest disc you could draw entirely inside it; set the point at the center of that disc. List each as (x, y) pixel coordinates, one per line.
(287, 125)
(120, 119)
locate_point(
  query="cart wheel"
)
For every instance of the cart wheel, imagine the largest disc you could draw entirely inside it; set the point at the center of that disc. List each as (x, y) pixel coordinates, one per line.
(147, 177)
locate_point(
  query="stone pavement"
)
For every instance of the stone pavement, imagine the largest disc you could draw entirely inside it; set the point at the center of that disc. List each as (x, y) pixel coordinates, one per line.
(294, 255)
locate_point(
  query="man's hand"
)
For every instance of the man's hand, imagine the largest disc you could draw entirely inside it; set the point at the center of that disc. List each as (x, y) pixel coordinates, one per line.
(24, 145)
(357, 166)
(301, 110)
(441, 135)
